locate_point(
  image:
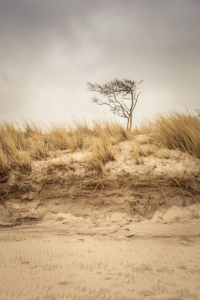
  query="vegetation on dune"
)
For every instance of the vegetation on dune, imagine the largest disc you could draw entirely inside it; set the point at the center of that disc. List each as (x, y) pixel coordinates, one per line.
(20, 145)
(102, 152)
(174, 130)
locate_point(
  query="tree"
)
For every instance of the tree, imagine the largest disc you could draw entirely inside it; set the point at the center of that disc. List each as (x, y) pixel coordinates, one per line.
(117, 93)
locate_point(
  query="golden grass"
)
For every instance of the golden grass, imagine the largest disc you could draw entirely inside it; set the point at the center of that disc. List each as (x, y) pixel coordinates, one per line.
(102, 152)
(174, 130)
(115, 130)
(22, 161)
(21, 144)
(4, 164)
(139, 152)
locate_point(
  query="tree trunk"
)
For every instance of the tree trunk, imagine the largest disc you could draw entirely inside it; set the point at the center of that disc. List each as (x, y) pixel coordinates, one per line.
(128, 121)
(131, 120)
(131, 110)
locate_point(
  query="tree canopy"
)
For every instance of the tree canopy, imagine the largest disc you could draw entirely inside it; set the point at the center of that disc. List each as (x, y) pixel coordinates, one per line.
(117, 93)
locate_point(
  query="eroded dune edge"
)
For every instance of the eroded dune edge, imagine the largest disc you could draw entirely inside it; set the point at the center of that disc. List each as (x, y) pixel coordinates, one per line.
(161, 184)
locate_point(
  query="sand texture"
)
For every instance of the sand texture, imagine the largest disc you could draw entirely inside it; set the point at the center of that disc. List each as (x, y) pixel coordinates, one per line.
(131, 232)
(145, 261)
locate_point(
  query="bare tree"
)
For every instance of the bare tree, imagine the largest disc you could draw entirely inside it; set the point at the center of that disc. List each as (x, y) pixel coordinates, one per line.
(118, 92)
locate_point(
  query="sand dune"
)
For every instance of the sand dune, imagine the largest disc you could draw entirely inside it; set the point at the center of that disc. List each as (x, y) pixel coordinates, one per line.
(132, 232)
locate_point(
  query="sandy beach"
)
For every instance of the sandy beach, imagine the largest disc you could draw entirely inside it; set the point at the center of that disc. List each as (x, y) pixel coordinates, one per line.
(81, 261)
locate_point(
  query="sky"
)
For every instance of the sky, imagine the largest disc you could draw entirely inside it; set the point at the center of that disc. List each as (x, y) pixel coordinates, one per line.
(50, 49)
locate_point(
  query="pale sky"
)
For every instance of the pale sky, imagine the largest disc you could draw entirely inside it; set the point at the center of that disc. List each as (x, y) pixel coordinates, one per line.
(50, 49)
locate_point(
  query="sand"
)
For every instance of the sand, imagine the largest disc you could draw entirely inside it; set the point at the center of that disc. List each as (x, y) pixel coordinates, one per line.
(132, 232)
(132, 261)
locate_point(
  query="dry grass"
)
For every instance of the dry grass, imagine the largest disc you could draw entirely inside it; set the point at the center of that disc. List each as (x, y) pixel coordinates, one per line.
(116, 131)
(139, 152)
(102, 152)
(179, 131)
(136, 153)
(4, 164)
(21, 144)
(62, 137)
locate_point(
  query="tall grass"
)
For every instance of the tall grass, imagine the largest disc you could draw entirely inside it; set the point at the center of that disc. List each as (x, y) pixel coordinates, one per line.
(102, 152)
(114, 129)
(21, 144)
(4, 164)
(174, 130)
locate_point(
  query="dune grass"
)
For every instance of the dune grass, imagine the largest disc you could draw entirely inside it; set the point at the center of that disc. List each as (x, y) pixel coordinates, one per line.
(22, 144)
(174, 130)
(102, 152)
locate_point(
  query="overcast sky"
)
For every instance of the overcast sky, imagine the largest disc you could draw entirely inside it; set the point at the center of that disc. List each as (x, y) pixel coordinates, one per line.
(50, 49)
